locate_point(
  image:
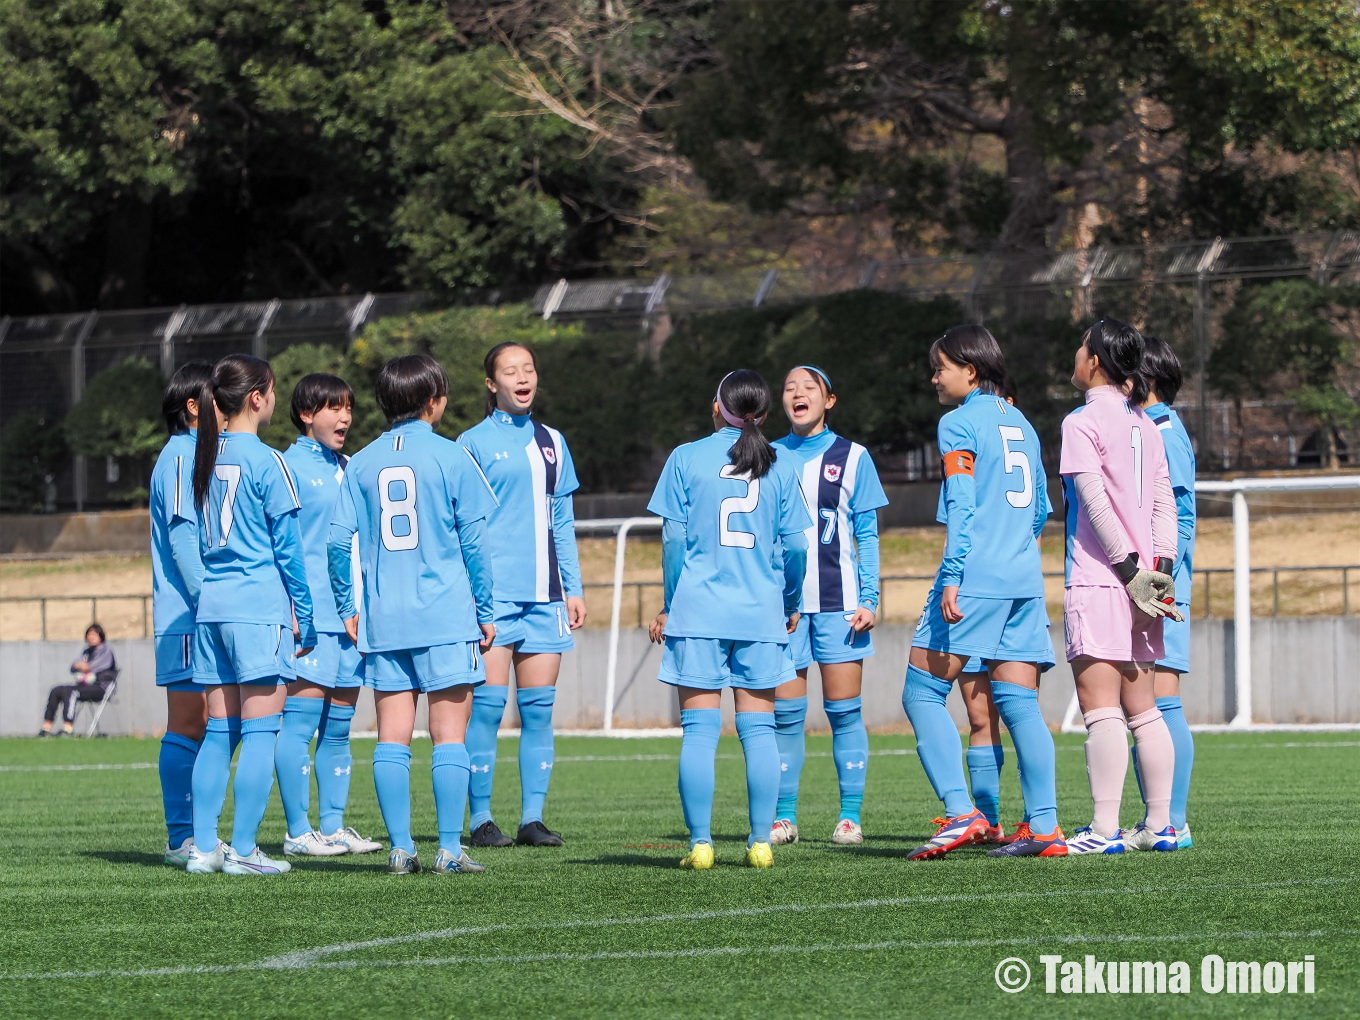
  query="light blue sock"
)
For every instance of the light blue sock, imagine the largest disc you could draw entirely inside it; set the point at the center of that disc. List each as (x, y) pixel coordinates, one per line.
(293, 763)
(758, 746)
(212, 770)
(850, 750)
(937, 739)
(1019, 710)
(234, 732)
(177, 778)
(1184, 743)
(392, 777)
(334, 762)
(254, 779)
(488, 708)
(698, 751)
(790, 726)
(450, 776)
(984, 777)
(535, 749)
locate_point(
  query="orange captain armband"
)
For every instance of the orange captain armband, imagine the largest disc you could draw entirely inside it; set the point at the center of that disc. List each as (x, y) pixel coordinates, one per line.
(959, 462)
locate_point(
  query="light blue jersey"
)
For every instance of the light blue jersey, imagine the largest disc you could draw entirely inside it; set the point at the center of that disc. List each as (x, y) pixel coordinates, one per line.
(318, 473)
(530, 470)
(731, 581)
(993, 500)
(1180, 464)
(251, 542)
(176, 562)
(841, 487)
(418, 502)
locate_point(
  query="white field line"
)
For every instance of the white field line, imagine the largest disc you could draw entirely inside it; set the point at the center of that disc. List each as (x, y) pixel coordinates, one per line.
(306, 959)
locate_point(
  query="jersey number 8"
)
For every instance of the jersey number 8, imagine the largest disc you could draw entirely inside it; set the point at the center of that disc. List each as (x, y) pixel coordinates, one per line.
(737, 505)
(398, 509)
(1017, 459)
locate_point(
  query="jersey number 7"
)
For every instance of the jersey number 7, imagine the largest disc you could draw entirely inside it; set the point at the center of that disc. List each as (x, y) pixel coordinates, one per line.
(1017, 459)
(737, 505)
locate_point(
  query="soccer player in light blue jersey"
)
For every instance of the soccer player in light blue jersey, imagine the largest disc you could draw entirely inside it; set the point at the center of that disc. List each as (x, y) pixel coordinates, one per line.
(418, 503)
(539, 599)
(840, 601)
(1162, 369)
(988, 598)
(247, 508)
(734, 555)
(321, 700)
(176, 576)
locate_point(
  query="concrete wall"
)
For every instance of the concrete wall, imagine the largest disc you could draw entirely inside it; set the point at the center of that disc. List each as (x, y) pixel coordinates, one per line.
(1304, 672)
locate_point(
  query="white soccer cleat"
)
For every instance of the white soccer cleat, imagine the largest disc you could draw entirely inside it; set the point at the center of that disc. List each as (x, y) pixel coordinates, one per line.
(783, 831)
(1088, 841)
(253, 863)
(1183, 840)
(205, 862)
(1144, 838)
(353, 842)
(178, 857)
(847, 833)
(447, 864)
(312, 844)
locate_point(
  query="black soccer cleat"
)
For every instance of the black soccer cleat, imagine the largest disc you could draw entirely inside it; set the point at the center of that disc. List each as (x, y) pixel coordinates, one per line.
(537, 834)
(487, 834)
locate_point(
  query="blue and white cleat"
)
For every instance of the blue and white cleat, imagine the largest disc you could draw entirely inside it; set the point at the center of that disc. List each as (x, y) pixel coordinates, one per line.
(1088, 841)
(253, 863)
(312, 844)
(205, 862)
(352, 841)
(1183, 840)
(1143, 838)
(447, 864)
(399, 862)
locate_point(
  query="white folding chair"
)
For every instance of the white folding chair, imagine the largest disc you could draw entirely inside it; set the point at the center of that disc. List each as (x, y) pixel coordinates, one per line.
(99, 706)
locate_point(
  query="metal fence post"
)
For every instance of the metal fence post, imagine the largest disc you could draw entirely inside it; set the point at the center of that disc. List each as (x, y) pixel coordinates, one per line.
(766, 285)
(77, 391)
(260, 345)
(172, 326)
(1206, 266)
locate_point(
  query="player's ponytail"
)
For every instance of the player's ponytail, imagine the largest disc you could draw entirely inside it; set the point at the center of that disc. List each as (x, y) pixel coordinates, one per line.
(184, 385)
(1162, 369)
(1119, 347)
(971, 344)
(233, 379)
(743, 401)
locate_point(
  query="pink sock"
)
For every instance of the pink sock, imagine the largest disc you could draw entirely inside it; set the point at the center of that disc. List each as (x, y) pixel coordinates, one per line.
(1107, 761)
(1156, 765)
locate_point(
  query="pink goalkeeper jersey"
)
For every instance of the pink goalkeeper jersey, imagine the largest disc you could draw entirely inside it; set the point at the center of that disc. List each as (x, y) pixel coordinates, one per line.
(1119, 441)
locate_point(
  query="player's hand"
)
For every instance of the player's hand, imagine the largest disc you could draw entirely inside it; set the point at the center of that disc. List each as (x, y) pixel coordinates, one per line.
(656, 630)
(352, 629)
(303, 651)
(1154, 593)
(864, 619)
(576, 611)
(488, 635)
(949, 604)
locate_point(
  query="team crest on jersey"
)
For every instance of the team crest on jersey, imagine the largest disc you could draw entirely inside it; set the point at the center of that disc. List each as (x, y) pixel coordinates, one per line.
(832, 473)
(549, 454)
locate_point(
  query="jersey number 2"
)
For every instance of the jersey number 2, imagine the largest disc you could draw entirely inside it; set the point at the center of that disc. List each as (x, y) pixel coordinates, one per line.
(737, 505)
(1017, 459)
(398, 509)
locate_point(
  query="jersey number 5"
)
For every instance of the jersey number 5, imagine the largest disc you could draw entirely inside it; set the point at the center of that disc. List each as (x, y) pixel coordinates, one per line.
(737, 505)
(403, 509)
(1017, 459)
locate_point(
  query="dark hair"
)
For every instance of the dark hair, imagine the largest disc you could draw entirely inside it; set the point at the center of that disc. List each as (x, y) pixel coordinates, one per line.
(233, 379)
(1162, 369)
(316, 392)
(744, 395)
(971, 344)
(1120, 349)
(98, 630)
(184, 385)
(489, 366)
(405, 385)
(1006, 389)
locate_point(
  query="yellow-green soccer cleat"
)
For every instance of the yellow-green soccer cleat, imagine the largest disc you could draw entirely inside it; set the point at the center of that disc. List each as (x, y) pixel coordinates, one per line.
(698, 859)
(759, 856)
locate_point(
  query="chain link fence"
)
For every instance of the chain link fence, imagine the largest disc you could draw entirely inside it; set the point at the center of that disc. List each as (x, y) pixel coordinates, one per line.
(1178, 291)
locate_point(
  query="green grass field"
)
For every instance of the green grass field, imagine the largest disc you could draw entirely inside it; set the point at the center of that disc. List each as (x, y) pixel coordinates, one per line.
(91, 923)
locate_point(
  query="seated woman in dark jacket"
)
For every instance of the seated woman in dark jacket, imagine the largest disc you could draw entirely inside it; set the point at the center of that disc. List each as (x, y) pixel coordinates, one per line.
(94, 670)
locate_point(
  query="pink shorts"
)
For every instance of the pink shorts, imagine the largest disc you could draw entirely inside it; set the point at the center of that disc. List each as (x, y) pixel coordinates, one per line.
(1102, 623)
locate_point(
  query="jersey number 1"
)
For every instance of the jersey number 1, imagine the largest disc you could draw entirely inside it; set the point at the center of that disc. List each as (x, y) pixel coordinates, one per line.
(737, 505)
(398, 509)
(1017, 459)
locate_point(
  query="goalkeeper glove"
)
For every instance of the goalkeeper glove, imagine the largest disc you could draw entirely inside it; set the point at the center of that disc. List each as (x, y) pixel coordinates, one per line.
(1152, 591)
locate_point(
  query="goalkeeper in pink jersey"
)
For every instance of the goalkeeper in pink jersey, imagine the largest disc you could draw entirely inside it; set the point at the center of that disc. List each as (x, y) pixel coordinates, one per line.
(1121, 543)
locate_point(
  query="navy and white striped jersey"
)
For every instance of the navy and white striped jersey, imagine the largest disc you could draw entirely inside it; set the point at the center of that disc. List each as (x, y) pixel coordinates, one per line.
(531, 472)
(841, 487)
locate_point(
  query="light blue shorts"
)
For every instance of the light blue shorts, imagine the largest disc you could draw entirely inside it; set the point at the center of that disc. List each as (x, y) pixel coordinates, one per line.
(1176, 641)
(532, 627)
(243, 653)
(827, 637)
(425, 669)
(715, 663)
(1001, 630)
(334, 662)
(175, 662)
